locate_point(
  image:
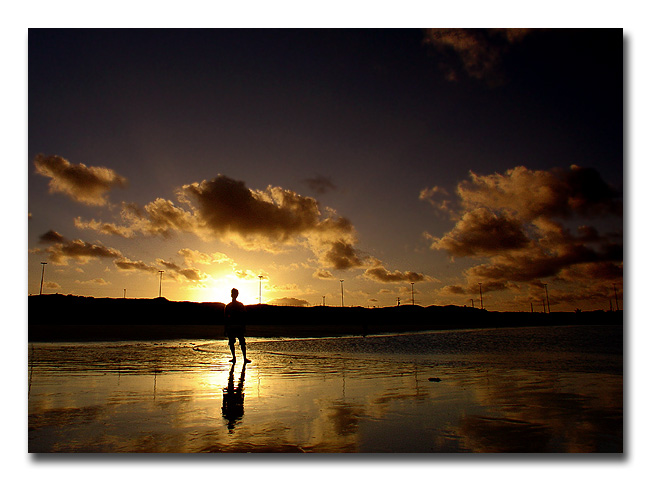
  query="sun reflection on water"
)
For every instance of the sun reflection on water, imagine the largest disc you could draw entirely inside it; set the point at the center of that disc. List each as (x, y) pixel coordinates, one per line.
(339, 395)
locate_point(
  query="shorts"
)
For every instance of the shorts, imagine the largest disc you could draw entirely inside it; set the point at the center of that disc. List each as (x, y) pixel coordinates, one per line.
(233, 332)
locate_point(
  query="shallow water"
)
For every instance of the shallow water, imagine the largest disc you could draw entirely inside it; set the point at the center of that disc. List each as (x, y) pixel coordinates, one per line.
(556, 389)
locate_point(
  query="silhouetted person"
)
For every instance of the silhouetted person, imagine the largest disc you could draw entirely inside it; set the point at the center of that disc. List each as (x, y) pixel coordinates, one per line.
(233, 399)
(234, 325)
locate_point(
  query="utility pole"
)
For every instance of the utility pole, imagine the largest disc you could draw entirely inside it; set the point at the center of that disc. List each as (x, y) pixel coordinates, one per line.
(412, 293)
(260, 289)
(342, 288)
(160, 272)
(472, 303)
(43, 263)
(124, 293)
(616, 296)
(545, 285)
(398, 301)
(323, 300)
(481, 302)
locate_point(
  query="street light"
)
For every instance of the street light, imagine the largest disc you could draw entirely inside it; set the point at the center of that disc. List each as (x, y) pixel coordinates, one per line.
(43, 263)
(412, 293)
(545, 285)
(481, 302)
(260, 289)
(616, 296)
(342, 288)
(160, 272)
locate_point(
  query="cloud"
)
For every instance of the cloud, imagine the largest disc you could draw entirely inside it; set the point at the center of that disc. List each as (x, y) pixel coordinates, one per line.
(320, 184)
(192, 256)
(478, 52)
(125, 264)
(342, 255)
(224, 206)
(529, 194)
(51, 237)
(104, 228)
(245, 274)
(323, 274)
(51, 285)
(379, 273)
(188, 273)
(289, 302)
(79, 251)
(482, 233)
(225, 209)
(530, 225)
(160, 217)
(94, 281)
(88, 185)
(432, 194)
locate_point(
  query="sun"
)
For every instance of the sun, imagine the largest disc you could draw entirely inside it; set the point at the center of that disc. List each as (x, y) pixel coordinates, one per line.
(220, 290)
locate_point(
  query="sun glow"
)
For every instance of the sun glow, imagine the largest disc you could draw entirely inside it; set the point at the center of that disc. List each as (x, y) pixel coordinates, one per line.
(220, 290)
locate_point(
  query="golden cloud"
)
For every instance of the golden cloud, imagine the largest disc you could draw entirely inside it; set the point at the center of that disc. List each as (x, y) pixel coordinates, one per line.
(531, 225)
(88, 185)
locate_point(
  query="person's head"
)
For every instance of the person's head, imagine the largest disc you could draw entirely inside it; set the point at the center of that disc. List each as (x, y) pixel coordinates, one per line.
(234, 293)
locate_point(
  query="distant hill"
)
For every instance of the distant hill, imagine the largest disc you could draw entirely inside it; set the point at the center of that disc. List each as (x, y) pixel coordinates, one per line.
(68, 317)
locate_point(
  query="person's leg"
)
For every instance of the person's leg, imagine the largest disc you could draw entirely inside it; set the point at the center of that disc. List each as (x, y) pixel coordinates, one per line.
(243, 347)
(232, 347)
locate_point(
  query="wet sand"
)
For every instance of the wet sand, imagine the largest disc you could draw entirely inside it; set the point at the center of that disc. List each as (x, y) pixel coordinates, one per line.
(524, 390)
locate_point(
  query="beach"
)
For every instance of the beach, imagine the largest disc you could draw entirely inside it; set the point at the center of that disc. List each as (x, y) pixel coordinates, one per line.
(552, 389)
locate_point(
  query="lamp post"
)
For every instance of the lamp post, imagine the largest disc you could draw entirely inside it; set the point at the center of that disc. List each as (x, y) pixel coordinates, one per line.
(545, 285)
(43, 263)
(481, 302)
(616, 296)
(342, 289)
(160, 281)
(412, 293)
(260, 289)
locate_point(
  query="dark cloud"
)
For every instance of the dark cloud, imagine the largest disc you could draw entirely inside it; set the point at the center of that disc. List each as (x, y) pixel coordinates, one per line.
(528, 194)
(454, 290)
(379, 273)
(224, 206)
(478, 52)
(187, 273)
(88, 185)
(482, 233)
(126, 264)
(51, 237)
(79, 251)
(342, 255)
(320, 184)
(521, 221)
(225, 209)
(323, 274)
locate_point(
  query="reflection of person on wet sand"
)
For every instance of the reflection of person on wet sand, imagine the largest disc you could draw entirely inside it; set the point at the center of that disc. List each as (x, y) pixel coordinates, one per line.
(234, 325)
(233, 398)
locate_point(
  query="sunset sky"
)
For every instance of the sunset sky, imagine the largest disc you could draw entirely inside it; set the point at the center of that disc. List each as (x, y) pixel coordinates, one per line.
(444, 158)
